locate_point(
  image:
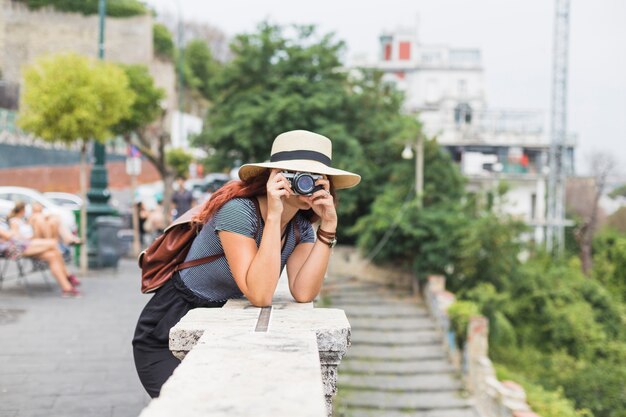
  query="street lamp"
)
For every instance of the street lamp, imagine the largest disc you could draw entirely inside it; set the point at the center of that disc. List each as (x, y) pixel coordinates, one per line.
(407, 153)
(98, 193)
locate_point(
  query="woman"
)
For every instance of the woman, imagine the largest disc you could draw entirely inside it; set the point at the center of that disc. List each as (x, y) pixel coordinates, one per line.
(17, 221)
(49, 226)
(41, 226)
(12, 245)
(261, 226)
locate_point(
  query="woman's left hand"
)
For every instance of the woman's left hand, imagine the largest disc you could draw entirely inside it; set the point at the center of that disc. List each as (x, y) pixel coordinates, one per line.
(323, 205)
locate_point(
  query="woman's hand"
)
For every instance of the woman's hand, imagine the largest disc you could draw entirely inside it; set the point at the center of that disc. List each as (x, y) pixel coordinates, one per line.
(323, 205)
(277, 188)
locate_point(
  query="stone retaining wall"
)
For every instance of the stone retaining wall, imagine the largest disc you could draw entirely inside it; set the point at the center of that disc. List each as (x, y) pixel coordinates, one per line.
(347, 261)
(229, 369)
(493, 398)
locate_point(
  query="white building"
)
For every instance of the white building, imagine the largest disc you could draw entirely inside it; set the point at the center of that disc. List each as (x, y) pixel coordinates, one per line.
(445, 87)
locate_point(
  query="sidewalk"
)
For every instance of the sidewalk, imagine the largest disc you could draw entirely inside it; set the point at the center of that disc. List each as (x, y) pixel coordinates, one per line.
(63, 357)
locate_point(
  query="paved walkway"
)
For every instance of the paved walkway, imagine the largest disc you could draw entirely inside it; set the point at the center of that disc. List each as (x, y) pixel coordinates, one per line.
(64, 357)
(396, 365)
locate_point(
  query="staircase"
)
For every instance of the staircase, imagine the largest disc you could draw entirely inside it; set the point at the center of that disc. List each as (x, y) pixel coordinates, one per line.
(396, 365)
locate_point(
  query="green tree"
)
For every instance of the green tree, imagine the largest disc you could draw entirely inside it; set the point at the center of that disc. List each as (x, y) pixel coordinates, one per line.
(144, 126)
(610, 262)
(427, 238)
(115, 8)
(179, 160)
(69, 98)
(200, 68)
(162, 42)
(278, 82)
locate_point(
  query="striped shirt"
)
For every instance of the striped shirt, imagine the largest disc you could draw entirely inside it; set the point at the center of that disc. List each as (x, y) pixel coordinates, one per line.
(214, 281)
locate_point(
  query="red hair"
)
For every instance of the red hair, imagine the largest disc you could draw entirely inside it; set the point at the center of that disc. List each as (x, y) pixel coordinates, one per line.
(252, 187)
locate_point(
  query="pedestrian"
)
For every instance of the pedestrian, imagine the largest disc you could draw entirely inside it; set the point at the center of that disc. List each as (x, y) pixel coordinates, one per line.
(260, 225)
(142, 217)
(182, 197)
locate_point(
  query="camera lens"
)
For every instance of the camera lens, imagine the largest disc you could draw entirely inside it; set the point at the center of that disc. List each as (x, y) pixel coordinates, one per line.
(304, 184)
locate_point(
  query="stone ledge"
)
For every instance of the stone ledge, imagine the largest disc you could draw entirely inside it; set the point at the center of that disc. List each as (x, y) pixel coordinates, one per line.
(245, 374)
(229, 369)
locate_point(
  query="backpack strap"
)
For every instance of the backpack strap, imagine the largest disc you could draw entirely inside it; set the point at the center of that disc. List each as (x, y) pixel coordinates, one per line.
(198, 261)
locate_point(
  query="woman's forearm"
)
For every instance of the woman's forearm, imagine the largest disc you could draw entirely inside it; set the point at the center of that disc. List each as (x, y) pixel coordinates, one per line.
(309, 279)
(264, 272)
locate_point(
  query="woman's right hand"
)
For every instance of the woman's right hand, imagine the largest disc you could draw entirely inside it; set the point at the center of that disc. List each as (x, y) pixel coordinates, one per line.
(277, 188)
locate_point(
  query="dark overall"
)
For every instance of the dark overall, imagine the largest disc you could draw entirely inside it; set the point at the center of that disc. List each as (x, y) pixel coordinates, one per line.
(153, 359)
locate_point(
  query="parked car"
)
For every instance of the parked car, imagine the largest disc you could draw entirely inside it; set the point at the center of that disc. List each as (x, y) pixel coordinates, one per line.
(215, 180)
(10, 195)
(71, 201)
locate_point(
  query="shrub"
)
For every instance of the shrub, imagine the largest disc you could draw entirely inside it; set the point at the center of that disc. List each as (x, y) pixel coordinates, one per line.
(115, 8)
(162, 42)
(546, 403)
(460, 313)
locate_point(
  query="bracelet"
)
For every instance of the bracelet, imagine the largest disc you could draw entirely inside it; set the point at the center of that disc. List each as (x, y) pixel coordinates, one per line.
(327, 238)
(325, 233)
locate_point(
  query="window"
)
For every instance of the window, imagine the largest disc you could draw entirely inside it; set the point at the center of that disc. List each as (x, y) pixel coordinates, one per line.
(463, 114)
(533, 206)
(405, 51)
(388, 52)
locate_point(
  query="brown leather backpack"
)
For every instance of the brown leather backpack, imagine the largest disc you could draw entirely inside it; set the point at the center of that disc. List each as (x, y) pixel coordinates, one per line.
(167, 253)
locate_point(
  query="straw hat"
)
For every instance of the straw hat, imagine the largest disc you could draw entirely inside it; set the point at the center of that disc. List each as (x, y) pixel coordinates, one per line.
(303, 151)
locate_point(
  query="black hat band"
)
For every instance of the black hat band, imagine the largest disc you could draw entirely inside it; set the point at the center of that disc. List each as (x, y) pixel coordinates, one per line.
(300, 154)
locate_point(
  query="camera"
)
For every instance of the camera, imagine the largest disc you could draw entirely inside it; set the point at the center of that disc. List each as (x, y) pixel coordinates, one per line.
(303, 183)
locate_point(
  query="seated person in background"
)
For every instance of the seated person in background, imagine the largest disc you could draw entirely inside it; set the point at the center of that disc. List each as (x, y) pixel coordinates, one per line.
(13, 246)
(49, 226)
(17, 221)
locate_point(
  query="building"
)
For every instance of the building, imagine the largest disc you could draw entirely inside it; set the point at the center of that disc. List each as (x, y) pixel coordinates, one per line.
(444, 86)
(26, 35)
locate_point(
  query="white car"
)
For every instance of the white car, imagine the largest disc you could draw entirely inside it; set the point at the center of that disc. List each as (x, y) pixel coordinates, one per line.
(71, 201)
(10, 195)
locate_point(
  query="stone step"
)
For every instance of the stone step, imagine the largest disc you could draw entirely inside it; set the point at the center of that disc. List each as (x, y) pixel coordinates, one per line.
(395, 353)
(354, 291)
(405, 383)
(380, 338)
(378, 367)
(341, 302)
(388, 311)
(402, 400)
(392, 324)
(368, 412)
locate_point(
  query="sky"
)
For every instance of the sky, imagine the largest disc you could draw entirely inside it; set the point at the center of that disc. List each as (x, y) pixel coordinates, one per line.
(515, 38)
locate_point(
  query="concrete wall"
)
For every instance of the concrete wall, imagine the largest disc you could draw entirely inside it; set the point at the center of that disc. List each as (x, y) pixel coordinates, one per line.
(27, 34)
(348, 262)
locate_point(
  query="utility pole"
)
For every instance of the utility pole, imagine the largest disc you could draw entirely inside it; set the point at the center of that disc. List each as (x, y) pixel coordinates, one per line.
(555, 231)
(419, 169)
